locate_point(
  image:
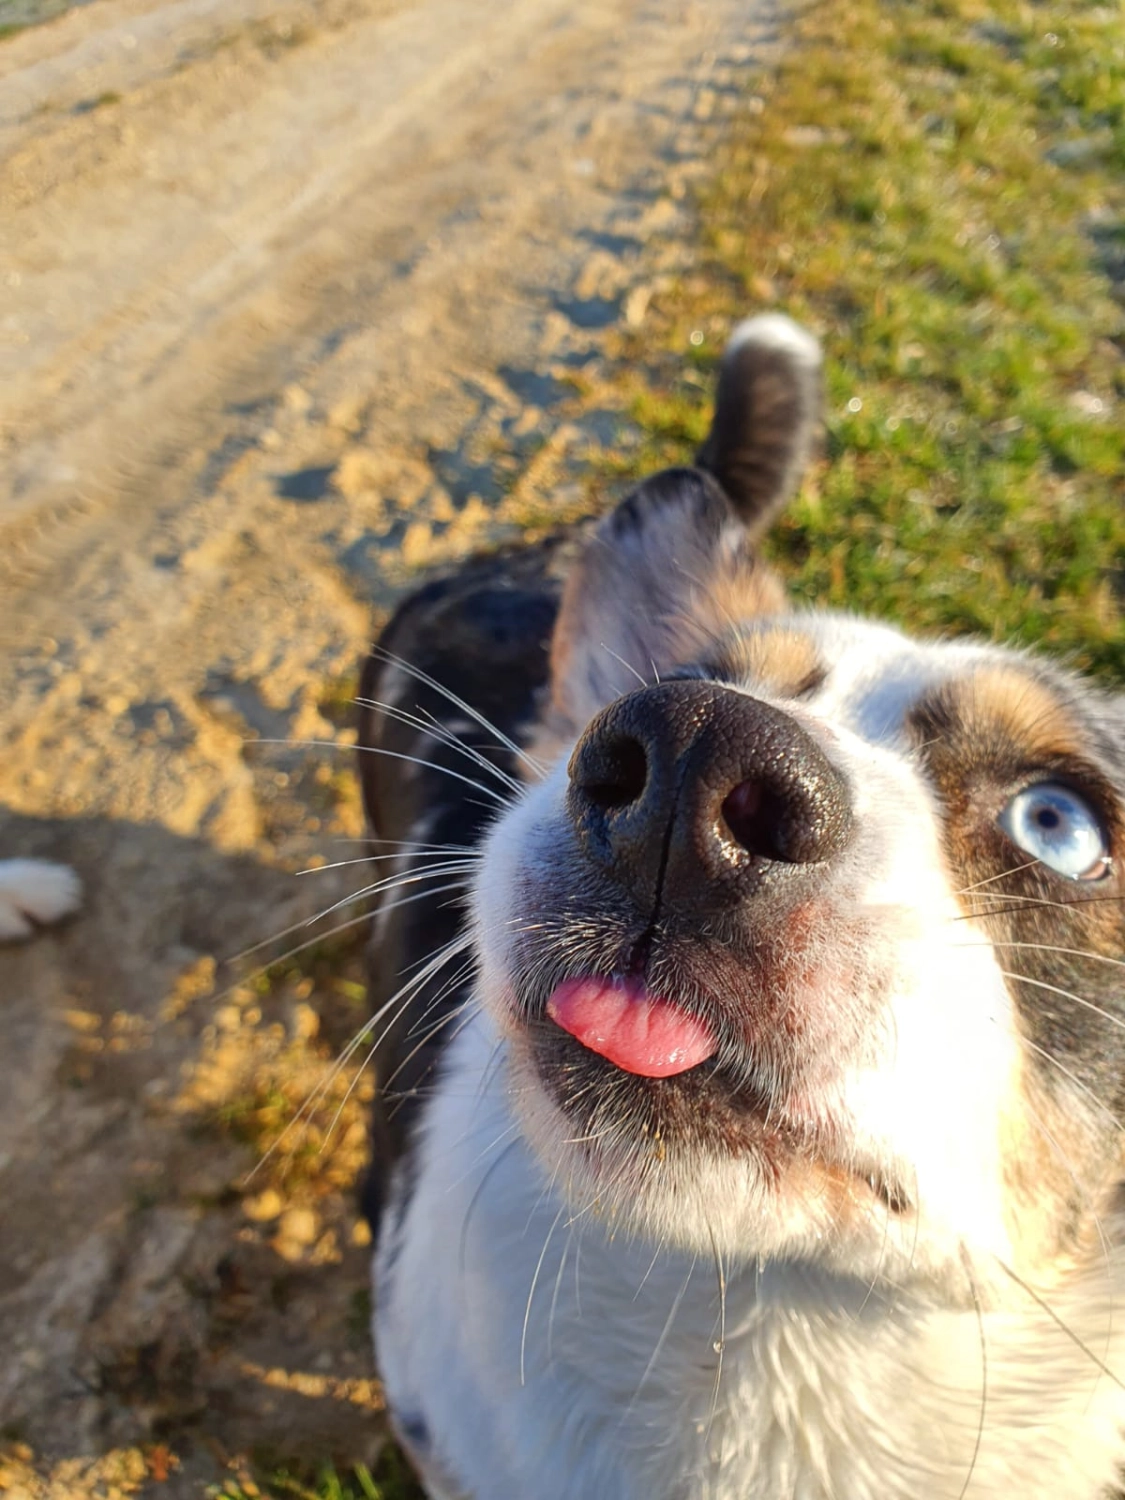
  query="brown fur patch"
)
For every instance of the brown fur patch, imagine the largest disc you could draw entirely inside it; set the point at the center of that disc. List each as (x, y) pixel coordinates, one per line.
(779, 659)
(984, 738)
(739, 589)
(1060, 1169)
(1006, 706)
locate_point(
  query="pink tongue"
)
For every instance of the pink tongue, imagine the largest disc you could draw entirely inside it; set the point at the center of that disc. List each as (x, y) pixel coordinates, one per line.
(635, 1030)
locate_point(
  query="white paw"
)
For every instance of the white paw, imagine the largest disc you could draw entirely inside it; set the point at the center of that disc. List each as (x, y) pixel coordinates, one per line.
(33, 893)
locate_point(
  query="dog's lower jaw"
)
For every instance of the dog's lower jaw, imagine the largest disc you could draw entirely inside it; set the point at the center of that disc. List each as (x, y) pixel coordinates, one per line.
(555, 1359)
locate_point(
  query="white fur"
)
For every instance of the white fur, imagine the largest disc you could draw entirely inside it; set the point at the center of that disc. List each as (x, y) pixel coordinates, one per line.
(776, 331)
(35, 893)
(615, 1389)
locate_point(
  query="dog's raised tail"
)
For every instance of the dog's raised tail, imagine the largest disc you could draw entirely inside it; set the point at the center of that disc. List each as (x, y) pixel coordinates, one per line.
(767, 416)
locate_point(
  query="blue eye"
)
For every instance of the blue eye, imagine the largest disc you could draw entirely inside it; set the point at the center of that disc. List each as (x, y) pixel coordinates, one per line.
(1058, 828)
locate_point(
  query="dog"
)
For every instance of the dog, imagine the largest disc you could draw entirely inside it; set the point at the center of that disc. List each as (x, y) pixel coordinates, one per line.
(35, 893)
(749, 1006)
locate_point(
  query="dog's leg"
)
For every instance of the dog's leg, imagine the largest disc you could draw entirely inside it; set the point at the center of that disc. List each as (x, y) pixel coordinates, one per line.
(33, 894)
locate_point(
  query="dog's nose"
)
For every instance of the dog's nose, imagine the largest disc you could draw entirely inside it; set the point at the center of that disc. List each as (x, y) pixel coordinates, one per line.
(698, 797)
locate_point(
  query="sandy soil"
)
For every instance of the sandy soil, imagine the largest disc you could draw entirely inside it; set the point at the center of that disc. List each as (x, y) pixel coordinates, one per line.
(289, 298)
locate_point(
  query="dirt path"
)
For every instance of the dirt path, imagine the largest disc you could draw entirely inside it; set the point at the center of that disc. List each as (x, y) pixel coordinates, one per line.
(290, 295)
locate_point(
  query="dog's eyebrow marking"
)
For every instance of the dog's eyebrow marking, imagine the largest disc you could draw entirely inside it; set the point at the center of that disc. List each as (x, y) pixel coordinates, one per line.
(782, 660)
(1001, 712)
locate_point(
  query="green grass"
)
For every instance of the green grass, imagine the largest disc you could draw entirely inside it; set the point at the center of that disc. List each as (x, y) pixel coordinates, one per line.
(337, 701)
(901, 193)
(390, 1480)
(332, 964)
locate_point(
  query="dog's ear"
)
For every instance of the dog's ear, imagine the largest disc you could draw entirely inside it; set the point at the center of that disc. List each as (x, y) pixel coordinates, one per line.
(674, 566)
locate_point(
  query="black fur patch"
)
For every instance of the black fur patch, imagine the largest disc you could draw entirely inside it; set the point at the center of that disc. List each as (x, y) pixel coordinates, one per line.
(484, 635)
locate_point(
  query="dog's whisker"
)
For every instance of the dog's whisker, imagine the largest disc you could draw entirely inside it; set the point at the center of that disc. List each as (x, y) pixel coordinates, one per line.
(876, 1275)
(384, 906)
(1054, 989)
(441, 851)
(434, 765)
(491, 1069)
(1083, 1196)
(464, 1015)
(474, 752)
(1045, 901)
(409, 844)
(510, 1129)
(432, 965)
(468, 1007)
(967, 890)
(661, 1247)
(414, 760)
(1036, 903)
(654, 1357)
(436, 730)
(974, 1292)
(289, 953)
(381, 654)
(478, 1193)
(1060, 1323)
(309, 921)
(401, 881)
(457, 945)
(627, 665)
(353, 1085)
(531, 1292)
(1084, 953)
(1072, 1078)
(555, 1292)
(917, 1200)
(236, 958)
(405, 997)
(719, 1345)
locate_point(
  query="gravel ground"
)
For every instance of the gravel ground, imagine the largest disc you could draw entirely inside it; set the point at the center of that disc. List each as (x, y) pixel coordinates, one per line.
(292, 297)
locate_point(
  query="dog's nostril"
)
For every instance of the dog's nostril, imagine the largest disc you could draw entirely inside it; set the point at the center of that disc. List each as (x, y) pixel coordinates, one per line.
(617, 775)
(753, 815)
(693, 797)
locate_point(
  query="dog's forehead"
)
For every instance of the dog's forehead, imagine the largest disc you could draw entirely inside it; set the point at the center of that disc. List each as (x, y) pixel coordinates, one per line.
(871, 678)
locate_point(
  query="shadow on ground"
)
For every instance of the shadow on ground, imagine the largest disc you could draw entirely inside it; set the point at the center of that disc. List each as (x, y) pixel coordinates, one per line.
(152, 1289)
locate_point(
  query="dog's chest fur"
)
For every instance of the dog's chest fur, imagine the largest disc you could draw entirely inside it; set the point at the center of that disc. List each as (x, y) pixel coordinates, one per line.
(521, 1343)
(865, 1242)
